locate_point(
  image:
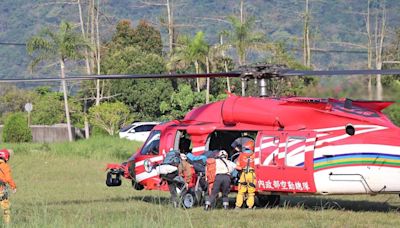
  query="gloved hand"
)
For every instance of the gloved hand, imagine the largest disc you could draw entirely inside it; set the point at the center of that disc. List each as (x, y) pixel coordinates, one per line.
(14, 190)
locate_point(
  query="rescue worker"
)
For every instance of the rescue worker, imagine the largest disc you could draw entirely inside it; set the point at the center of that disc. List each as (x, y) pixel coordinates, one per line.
(238, 143)
(247, 180)
(185, 170)
(5, 181)
(222, 183)
(184, 145)
(179, 179)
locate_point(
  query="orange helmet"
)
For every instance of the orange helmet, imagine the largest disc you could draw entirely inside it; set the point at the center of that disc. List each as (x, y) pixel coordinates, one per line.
(249, 145)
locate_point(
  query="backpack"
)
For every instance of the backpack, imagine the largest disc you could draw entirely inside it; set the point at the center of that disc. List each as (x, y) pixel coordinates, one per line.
(198, 166)
(172, 158)
(210, 170)
(211, 153)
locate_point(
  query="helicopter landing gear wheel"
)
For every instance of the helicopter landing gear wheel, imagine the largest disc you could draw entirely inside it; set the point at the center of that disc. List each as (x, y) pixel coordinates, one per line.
(113, 179)
(189, 199)
(137, 186)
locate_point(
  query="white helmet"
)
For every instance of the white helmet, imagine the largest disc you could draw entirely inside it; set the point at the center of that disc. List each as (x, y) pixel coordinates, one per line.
(183, 156)
(223, 154)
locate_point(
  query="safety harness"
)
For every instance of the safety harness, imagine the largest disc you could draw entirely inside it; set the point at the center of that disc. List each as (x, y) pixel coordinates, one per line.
(3, 189)
(248, 169)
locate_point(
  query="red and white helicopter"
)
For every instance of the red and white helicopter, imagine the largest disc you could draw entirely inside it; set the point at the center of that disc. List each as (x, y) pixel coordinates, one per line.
(303, 145)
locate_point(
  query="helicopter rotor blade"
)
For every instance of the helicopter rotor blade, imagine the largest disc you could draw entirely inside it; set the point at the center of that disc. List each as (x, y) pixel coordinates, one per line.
(279, 73)
(337, 72)
(124, 76)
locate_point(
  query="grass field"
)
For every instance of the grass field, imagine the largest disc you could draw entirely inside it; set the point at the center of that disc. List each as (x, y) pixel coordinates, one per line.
(62, 185)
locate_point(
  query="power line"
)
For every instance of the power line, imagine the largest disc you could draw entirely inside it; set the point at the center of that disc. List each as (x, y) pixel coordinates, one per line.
(12, 44)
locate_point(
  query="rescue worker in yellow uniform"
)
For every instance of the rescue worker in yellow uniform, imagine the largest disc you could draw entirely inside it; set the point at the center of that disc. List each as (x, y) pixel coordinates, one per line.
(5, 181)
(247, 181)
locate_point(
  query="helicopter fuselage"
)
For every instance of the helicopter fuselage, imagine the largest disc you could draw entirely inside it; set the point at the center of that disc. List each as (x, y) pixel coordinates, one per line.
(303, 145)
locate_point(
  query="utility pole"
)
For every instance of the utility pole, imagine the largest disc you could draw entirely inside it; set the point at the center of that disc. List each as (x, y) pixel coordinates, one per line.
(306, 37)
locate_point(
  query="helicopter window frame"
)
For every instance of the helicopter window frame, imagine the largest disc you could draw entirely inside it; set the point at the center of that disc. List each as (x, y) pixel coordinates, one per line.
(182, 134)
(275, 153)
(149, 145)
(221, 139)
(297, 153)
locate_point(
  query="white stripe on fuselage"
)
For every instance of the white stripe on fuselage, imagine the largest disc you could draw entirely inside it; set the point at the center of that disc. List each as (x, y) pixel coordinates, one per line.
(357, 148)
(376, 127)
(358, 132)
(198, 149)
(153, 159)
(145, 175)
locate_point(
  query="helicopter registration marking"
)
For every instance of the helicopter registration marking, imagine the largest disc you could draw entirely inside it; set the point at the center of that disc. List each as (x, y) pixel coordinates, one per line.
(283, 185)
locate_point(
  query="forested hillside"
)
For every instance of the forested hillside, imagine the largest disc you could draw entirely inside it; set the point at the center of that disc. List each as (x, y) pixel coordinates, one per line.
(333, 25)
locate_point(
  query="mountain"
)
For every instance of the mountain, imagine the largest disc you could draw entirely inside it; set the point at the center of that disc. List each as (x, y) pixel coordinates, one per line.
(333, 25)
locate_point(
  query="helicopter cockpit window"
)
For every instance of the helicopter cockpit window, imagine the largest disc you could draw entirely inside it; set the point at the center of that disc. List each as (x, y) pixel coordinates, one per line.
(152, 144)
(183, 142)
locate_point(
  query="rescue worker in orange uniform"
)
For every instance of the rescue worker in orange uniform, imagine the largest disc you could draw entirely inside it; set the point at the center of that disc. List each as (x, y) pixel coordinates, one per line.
(5, 181)
(247, 181)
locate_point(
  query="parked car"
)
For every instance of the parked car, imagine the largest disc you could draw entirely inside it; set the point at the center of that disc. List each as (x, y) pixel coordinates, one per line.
(138, 131)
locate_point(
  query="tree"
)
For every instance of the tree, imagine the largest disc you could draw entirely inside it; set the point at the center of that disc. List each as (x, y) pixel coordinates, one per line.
(144, 37)
(147, 38)
(137, 51)
(60, 46)
(49, 108)
(169, 4)
(375, 43)
(13, 99)
(142, 96)
(242, 38)
(109, 116)
(181, 102)
(191, 51)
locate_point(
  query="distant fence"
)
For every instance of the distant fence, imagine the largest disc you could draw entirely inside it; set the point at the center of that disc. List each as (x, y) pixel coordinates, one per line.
(49, 134)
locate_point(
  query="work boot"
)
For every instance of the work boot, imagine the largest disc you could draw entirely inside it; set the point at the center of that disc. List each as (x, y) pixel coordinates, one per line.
(225, 205)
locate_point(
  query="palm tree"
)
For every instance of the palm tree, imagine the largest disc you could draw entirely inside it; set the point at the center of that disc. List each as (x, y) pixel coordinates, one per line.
(243, 39)
(58, 46)
(191, 51)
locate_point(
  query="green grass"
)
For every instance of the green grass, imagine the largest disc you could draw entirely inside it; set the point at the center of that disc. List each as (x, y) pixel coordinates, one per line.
(99, 147)
(61, 186)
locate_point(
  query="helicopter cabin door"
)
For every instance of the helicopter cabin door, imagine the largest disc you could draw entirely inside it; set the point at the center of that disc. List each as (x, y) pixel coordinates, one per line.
(285, 161)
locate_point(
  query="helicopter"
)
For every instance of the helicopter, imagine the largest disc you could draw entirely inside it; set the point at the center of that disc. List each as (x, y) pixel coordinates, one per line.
(303, 145)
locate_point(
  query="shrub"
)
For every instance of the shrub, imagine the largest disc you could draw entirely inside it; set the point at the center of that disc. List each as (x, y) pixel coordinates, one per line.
(109, 116)
(393, 112)
(16, 129)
